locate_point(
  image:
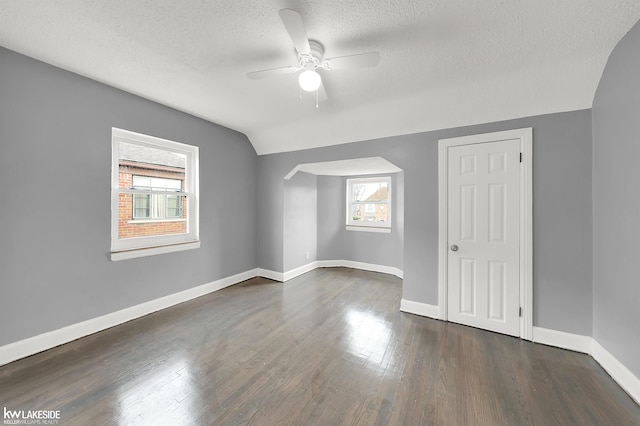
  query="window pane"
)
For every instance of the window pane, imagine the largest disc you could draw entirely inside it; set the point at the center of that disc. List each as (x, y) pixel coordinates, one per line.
(140, 206)
(140, 182)
(156, 184)
(150, 169)
(139, 154)
(356, 211)
(361, 212)
(146, 225)
(163, 184)
(375, 191)
(174, 206)
(142, 167)
(173, 185)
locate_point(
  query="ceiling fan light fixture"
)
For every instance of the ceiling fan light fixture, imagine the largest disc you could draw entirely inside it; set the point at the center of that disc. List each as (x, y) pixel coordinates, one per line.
(309, 81)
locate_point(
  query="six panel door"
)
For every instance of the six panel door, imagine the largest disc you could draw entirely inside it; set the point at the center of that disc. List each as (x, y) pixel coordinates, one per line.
(483, 277)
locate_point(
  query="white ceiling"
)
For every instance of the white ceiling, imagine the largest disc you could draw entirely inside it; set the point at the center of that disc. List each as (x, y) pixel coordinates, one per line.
(444, 63)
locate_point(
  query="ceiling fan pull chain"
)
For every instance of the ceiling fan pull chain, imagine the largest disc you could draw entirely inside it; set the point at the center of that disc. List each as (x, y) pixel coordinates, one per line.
(317, 90)
(299, 93)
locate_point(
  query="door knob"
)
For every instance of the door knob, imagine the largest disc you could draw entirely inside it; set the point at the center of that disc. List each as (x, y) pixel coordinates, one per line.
(454, 247)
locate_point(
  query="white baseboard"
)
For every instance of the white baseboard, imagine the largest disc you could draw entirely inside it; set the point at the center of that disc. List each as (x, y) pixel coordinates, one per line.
(621, 374)
(42, 342)
(272, 275)
(299, 271)
(391, 270)
(561, 339)
(618, 372)
(423, 309)
(286, 276)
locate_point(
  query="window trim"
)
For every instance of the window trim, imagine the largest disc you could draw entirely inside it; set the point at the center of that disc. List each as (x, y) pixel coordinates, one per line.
(352, 225)
(150, 245)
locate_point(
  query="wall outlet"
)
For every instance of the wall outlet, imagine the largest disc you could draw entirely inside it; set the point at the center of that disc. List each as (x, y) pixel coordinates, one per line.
(307, 255)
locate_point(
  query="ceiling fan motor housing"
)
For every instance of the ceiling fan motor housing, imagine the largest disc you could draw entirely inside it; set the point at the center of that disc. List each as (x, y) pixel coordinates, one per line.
(314, 59)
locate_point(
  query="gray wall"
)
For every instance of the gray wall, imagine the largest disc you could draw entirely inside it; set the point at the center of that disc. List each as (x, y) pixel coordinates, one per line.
(270, 190)
(336, 243)
(55, 153)
(300, 220)
(562, 217)
(616, 204)
(55, 166)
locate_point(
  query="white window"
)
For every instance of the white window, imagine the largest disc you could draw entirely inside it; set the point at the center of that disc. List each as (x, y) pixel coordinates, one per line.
(154, 195)
(369, 204)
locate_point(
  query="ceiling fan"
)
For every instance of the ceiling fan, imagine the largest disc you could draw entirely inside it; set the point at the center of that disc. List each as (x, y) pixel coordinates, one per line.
(311, 58)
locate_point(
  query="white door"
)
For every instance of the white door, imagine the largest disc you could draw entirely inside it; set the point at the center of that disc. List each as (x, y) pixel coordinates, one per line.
(483, 196)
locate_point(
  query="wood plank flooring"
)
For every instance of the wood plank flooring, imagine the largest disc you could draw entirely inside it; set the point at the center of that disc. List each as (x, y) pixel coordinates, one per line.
(327, 348)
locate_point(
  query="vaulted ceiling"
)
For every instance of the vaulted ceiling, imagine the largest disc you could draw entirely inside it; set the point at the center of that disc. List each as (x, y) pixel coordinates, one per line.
(443, 63)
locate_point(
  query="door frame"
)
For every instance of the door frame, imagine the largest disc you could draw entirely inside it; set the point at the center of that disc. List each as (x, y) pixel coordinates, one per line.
(526, 219)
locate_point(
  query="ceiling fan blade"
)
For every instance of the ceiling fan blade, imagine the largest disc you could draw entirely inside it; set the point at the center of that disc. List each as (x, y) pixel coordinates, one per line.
(322, 94)
(362, 60)
(295, 27)
(256, 75)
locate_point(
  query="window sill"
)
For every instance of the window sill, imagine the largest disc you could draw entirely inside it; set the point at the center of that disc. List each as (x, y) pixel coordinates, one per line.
(369, 229)
(135, 221)
(150, 251)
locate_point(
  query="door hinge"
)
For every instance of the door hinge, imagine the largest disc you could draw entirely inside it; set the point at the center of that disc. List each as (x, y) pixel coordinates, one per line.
(521, 157)
(520, 311)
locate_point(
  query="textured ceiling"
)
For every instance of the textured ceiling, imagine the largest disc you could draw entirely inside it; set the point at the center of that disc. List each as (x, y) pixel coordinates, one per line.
(444, 63)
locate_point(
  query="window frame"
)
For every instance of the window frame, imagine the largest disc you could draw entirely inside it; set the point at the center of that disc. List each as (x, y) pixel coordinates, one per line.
(127, 248)
(353, 225)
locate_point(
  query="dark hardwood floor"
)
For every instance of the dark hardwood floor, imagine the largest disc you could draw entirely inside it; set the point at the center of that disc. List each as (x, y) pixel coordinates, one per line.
(327, 348)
